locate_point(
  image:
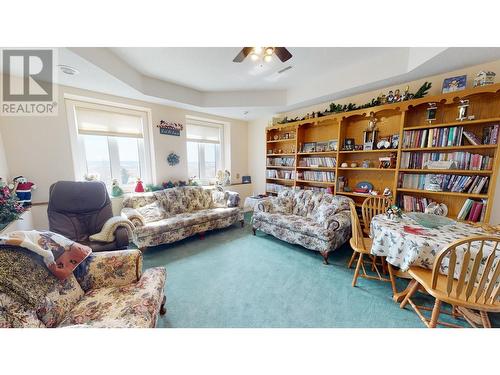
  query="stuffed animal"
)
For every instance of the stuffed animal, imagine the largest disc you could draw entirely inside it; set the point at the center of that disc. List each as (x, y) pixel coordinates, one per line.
(23, 188)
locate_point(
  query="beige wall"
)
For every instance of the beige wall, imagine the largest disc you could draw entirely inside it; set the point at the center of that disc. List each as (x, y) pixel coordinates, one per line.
(39, 147)
(4, 168)
(256, 151)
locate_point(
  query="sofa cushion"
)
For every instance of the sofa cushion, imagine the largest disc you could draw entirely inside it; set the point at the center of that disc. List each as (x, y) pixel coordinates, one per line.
(219, 198)
(15, 315)
(197, 198)
(297, 224)
(324, 212)
(133, 305)
(26, 279)
(188, 219)
(136, 200)
(152, 212)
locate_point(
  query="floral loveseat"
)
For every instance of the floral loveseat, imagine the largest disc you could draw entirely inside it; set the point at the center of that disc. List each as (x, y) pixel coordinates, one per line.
(315, 220)
(170, 215)
(108, 289)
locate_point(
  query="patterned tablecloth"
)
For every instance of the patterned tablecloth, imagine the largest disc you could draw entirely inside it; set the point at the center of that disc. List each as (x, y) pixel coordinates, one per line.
(403, 249)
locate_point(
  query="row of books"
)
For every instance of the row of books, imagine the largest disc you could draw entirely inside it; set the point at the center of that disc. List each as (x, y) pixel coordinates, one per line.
(473, 210)
(315, 188)
(461, 159)
(275, 188)
(287, 175)
(281, 162)
(317, 176)
(490, 135)
(318, 162)
(445, 182)
(410, 203)
(434, 137)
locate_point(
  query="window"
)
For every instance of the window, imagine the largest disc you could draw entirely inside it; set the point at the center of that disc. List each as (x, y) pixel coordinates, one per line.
(204, 149)
(110, 142)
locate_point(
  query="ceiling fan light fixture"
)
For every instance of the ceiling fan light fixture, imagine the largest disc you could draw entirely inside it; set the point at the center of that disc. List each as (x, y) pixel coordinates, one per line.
(254, 56)
(257, 50)
(269, 51)
(268, 58)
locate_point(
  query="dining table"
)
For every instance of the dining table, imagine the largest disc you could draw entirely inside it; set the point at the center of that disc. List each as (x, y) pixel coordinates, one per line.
(403, 242)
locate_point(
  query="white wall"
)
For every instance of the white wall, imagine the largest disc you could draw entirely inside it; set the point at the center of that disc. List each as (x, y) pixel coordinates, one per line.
(39, 147)
(256, 128)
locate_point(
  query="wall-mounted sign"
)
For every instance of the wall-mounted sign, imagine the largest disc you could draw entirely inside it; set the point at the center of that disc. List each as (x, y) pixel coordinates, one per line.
(170, 128)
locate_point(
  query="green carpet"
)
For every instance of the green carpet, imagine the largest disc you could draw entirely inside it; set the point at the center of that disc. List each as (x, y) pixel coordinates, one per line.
(234, 279)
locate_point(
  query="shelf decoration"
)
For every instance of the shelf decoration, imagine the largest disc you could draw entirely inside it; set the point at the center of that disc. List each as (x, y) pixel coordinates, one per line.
(170, 128)
(392, 97)
(173, 159)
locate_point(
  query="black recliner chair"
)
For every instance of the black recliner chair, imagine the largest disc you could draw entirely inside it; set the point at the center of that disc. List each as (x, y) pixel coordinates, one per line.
(78, 210)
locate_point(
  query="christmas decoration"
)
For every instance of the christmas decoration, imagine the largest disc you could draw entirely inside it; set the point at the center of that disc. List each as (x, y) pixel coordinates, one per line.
(139, 188)
(23, 188)
(392, 97)
(173, 159)
(10, 207)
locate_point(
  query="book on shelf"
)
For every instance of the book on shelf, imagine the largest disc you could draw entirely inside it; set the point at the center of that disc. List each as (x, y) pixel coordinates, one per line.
(276, 188)
(328, 162)
(410, 203)
(281, 161)
(473, 210)
(322, 176)
(472, 138)
(434, 137)
(283, 174)
(463, 160)
(490, 135)
(444, 182)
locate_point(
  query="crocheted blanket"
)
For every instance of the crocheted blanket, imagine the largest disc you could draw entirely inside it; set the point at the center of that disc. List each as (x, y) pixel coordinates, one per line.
(107, 233)
(60, 255)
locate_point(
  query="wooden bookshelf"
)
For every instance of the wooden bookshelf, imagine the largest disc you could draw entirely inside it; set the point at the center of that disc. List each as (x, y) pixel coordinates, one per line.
(393, 119)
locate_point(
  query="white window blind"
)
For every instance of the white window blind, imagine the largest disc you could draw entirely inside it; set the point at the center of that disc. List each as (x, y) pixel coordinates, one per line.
(203, 131)
(101, 122)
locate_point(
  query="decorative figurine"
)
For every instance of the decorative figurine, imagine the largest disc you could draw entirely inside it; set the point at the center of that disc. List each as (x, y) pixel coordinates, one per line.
(406, 93)
(462, 110)
(394, 213)
(431, 112)
(23, 188)
(387, 192)
(397, 96)
(390, 97)
(139, 188)
(484, 78)
(116, 190)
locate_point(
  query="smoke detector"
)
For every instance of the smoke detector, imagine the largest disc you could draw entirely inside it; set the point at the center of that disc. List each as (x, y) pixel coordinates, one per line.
(69, 70)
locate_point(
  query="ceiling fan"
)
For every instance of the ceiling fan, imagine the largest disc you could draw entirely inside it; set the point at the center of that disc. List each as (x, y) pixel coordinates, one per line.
(264, 53)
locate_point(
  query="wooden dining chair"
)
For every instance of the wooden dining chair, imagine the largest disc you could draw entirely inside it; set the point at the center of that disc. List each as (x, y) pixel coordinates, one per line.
(360, 245)
(477, 286)
(372, 206)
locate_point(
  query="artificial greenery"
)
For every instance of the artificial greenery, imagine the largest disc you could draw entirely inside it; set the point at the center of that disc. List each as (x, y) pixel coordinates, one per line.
(10, 208)
(338, 108)
(170, 184)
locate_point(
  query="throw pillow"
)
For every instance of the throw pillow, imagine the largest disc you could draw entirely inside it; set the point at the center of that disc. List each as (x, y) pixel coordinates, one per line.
(152, 212)
(219, 199)
(283, 205)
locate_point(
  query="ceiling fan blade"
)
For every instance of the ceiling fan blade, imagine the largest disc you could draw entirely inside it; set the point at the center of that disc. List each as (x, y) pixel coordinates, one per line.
(243, 53)
(282, 53)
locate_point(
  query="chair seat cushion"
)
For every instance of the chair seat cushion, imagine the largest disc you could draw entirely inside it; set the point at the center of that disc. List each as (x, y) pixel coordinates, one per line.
(188, 219)
(134, 305)
(296, 223)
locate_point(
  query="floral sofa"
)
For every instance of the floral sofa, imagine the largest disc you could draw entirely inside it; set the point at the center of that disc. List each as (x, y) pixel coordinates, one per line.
(317, 221)
(170, 215)
(108, 289)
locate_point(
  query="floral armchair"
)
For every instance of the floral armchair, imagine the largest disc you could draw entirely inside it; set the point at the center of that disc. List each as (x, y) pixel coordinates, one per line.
(314, 220)
(108, 289)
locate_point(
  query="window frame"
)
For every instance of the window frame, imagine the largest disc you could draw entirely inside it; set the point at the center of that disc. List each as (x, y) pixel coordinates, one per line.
(145, 146)
(198, 121)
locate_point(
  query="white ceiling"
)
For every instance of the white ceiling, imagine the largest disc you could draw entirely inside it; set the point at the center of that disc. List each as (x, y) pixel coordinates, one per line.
(206, 80)
(213, 69)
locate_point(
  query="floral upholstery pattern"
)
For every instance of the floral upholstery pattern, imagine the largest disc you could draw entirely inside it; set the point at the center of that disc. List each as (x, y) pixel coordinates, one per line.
(132, 305)
(189, 210)
(152, 212)
(317, 221)
(108, 289)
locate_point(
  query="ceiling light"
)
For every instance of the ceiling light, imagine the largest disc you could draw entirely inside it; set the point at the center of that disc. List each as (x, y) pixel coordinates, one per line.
(69, 70)
(254, 56)
(257, 50)
(268, 58)
(269, 51)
